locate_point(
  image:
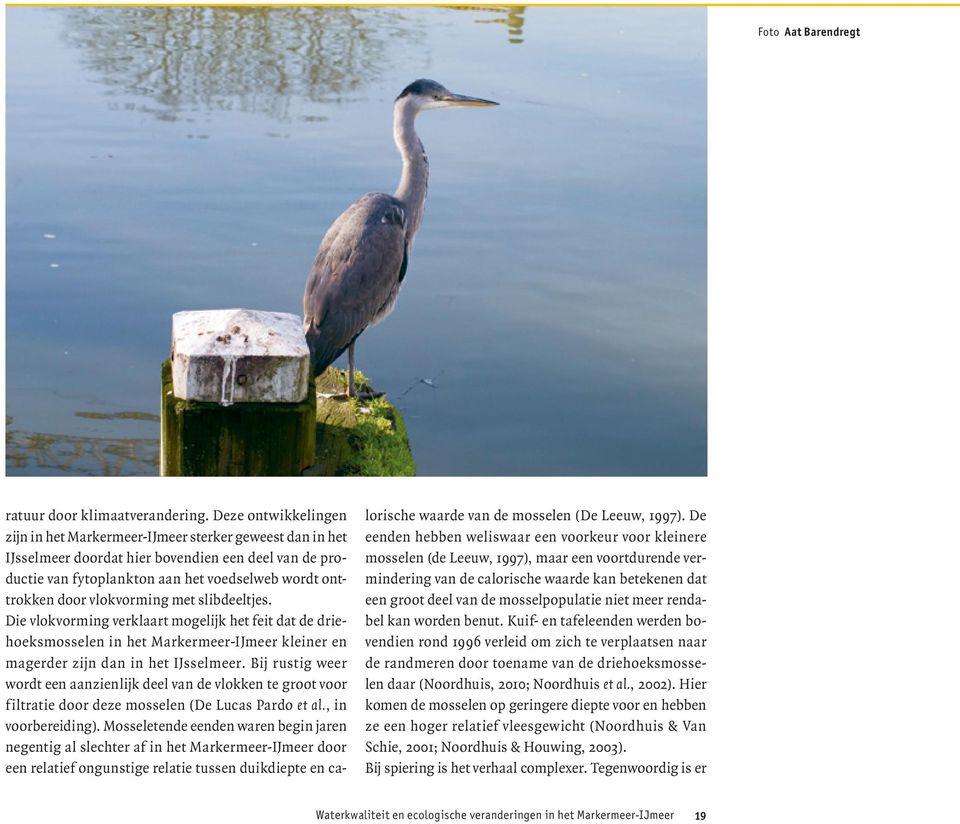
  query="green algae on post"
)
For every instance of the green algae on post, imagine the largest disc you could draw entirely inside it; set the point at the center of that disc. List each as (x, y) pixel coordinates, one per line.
(358, 437)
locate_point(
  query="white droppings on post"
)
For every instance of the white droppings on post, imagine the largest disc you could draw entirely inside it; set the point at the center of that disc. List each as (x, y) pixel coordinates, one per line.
(231, 356)
(229, 379)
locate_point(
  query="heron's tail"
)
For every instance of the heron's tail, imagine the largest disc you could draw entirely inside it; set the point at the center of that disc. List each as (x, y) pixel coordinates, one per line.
(322, 353)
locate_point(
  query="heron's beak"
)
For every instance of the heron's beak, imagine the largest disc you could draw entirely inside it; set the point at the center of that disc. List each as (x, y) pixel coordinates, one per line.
(463, 100)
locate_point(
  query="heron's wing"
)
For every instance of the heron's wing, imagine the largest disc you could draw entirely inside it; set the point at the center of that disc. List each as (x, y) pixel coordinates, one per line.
(355, 276)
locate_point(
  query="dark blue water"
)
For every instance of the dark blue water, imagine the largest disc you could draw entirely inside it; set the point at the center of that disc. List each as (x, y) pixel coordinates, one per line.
(553, 320)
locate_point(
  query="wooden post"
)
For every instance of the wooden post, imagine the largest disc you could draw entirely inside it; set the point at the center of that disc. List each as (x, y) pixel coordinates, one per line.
(237, 395)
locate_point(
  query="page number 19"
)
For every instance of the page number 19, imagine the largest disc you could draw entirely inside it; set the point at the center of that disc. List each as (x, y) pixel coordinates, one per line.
(700, 816)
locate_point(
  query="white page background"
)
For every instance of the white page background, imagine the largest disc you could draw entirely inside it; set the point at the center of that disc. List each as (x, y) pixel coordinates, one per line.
(833, 267)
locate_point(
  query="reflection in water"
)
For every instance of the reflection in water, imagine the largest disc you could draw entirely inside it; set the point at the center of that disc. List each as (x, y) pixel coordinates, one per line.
(509, 16)
(255, 58)
(78, 455)
(119, 416)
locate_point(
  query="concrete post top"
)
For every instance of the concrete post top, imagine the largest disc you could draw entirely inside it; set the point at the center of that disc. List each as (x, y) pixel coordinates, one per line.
(239, 356)
(246, 332)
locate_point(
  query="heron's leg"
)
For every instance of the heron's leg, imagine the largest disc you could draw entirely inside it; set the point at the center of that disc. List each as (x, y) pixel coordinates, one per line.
(351, 391)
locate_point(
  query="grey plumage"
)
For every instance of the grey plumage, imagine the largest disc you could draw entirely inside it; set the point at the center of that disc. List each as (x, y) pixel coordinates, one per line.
(362, 260)
(355, 278)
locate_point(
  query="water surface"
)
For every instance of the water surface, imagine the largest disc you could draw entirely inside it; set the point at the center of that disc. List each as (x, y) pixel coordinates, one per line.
(553, 320)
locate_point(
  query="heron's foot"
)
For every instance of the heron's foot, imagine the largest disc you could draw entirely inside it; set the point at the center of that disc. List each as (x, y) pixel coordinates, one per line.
(345, 396)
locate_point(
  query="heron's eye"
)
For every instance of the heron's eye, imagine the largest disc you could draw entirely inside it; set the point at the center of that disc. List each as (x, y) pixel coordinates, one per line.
(436, 97)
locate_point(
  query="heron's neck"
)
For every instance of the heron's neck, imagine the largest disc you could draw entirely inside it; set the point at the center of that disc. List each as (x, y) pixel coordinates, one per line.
(412, 191)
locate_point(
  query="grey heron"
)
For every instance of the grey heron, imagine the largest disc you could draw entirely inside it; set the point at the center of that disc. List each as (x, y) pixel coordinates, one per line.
(362, 260)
